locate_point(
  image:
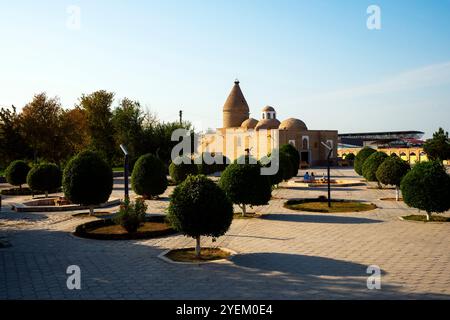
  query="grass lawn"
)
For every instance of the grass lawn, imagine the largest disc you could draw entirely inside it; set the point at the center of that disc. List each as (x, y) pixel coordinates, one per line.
(206, 254)
(423, 218)
(337, 206)
(118, 169)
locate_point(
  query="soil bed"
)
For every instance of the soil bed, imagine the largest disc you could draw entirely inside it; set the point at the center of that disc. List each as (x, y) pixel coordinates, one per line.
(207, 255)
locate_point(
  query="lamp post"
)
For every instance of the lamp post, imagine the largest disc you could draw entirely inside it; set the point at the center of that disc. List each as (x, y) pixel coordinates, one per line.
(330, 151)
(125, 170)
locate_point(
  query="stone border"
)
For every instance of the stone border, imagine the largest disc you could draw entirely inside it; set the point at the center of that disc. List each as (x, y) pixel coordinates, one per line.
(163, 257)
(20, 207)
(423, 222)
(343, 183)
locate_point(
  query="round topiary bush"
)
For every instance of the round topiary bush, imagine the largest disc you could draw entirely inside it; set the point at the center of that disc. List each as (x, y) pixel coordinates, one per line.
(179, 172)
(46, 177)
(87, 180)
(371, 165)
(16, 173)
(350, 157)
(198, 207)
(206, 167)
(244, 185)
(295, 156)
(285, 168)
(361, 157)
(149, 176)
(427, 187)
(392, 171)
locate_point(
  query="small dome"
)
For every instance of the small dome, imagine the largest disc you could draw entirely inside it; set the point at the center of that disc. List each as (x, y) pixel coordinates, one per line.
(293, 125)
(249, 124)
(268, 109)
(268, 124)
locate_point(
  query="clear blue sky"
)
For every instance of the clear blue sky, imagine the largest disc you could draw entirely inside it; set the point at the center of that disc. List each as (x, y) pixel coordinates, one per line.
(313, 60)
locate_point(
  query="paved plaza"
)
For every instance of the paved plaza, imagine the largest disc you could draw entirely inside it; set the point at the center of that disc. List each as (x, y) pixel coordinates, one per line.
(282, 255)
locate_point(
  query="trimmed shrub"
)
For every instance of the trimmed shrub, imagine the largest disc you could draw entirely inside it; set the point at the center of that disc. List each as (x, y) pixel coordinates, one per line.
(371, 165)
(205, 168)
(16, 173)
(361, 157)
(350, 157)
(244, 185)
(427, 187)
(392, 171)
(285, 169)
(46, 177)
(198, 207)
(295, 156)
(149, 177)
(87, 180)
(179, 172)
(131, 215)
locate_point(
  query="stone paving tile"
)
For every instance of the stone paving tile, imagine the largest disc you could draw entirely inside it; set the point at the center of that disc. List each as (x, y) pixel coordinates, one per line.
(282, 255)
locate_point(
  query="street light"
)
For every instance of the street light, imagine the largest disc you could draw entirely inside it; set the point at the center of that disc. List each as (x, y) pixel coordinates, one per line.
(125, 170)
(330, 151)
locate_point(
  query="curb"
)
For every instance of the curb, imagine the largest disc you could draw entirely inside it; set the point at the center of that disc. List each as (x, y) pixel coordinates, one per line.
(232, 253)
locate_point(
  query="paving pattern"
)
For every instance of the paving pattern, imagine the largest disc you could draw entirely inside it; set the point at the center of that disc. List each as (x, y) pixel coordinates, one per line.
(282, 255)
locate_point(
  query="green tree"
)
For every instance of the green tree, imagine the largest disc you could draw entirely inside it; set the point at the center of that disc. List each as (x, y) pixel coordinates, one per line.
(392, 171)
(44, 177)
(438, 148)
(16, 173)
(427, 187)
(244, 185)
(179, 172)
(286, 169)
(295, 156)
(198, 207)
(97, 106)
(371, 165)
(361, 157)
(87, 180)
(149, 176)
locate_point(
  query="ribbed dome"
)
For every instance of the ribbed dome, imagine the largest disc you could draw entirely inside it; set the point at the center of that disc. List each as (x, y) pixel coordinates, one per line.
(268, 109)
(293, 125)
(268, 124)
(249, 124)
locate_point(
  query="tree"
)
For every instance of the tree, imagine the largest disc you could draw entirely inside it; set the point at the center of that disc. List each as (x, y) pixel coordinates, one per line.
(149, 176)
(361, 157)
(12, 143)
(427, 187)
(97, 106)
(41, 118)
(75, 133)
(285, 167)
(244, 185)
(16, 173)
(438, 148)
(45, 178)
(350, 157)
(179, 172)
(295, 156)
(128, 121)
(88, 180)
(198, 207)
(392, 171)
(371, 165)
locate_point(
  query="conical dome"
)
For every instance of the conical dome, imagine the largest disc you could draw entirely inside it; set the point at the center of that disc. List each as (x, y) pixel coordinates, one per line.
(235, 109)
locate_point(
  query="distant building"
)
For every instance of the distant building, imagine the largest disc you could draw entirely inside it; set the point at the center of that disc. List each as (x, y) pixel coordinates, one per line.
(396, 139)
(238, 125)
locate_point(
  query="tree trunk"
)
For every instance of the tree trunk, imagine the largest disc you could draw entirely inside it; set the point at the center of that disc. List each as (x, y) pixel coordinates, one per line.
(46, 194)
(244, 210)
(428, 216)
(197, 247)
(91, 210)
(397, 194)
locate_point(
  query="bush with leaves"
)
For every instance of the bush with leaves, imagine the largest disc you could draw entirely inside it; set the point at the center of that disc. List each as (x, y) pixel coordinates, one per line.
(371, 165)
(438, 148)
(149, 177)
(285, 168)
(350, 157)
(207, 165)
(361, 157)
(185, 167)
(87, 180)
(198, 207)
(392, 171)
(131, 215)
(46, 177)
(244, 185)
(295, 156)
(427, 187)
(16, 173)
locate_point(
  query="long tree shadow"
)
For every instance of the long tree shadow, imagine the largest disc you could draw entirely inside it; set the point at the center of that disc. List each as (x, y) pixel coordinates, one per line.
(300, 264)
(311, 218)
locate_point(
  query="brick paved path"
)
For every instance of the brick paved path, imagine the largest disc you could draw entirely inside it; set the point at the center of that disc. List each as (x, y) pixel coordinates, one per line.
(283, 255)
